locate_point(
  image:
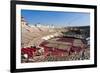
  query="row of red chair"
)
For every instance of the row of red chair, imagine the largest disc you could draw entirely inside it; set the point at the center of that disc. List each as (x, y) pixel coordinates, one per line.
(57, 51)
(50, 50)
(28, 51)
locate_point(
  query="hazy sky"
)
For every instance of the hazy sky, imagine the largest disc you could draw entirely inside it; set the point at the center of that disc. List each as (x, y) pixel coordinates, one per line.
(56, 18)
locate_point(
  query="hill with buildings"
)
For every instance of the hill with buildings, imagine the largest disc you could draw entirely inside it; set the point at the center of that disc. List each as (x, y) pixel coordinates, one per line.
(35, 34)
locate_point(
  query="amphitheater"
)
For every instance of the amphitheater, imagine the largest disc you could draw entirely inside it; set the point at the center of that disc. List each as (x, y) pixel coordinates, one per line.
(53, 42)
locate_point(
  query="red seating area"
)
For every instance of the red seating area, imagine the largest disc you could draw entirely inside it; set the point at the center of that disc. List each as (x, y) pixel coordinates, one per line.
(28, 51)
(59, 52)
(50, 50)
(75, 49)
(54, 51)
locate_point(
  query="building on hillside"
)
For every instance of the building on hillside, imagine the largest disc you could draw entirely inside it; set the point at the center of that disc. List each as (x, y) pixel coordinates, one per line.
(44, 25)
(23, 22)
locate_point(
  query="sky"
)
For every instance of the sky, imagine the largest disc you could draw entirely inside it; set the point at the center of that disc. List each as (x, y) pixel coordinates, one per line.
(56, 18)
